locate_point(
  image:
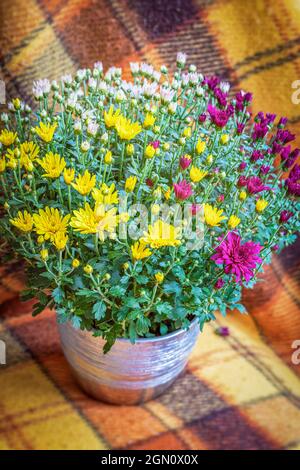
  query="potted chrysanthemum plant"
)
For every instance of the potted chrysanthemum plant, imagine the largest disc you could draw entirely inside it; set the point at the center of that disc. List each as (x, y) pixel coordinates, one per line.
(142, 207)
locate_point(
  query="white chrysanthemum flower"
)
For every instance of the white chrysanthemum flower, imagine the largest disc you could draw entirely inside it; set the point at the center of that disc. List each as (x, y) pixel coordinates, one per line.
(185, 78)
(102, 86)
(98, 66)
(92, 128)
(156, 75)
(92, 83)
(134, 67)
(81, 74)
(146, 69)
(77, 126)
(148, 89)
(193, 78)
(66, 79)
(85, 146)
(181, 59)
(200, 91)
(41, 88)
(225, 87)
(166, 94)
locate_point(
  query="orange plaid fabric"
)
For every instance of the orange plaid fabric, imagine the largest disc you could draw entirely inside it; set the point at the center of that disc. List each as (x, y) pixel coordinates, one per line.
(238, 392)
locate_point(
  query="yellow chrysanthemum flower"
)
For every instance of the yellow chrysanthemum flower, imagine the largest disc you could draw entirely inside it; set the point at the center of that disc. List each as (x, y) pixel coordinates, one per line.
(45, 131)
(200, 146)
(7, 138)
(12, 161)
(23, 221)
(17, 103)
(233, 221)
(242, 195)
(162, 234)
(106, 194)
(187, 132)
(84, 183)
(60, 239)
(87, 220)
(149, 120)
(167, 194)
(88, 269)
(196, 174)
(260, 205)
(2, 165)
(44, 254)
(149, 151)
(224, 139)
(53, 164)
(69, 175)
(129, 149)
(49, 221)
(209, 159)
(126, 129)
(75, 263)
(111, 116)
(213, 216)
(159, 277)
(28, 154)
(130, 184)
(140, 251)
(108, 158)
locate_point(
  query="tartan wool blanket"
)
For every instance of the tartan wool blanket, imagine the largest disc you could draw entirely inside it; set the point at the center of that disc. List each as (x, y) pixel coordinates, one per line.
(239, 392)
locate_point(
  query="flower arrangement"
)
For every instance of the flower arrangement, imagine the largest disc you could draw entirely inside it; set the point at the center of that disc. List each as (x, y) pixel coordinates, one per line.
(94, 183)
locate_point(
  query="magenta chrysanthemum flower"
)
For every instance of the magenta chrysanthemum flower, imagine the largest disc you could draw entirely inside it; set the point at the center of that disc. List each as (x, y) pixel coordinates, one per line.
(218, 116)
(255, 185)
(183, 190)
(238, 259)
(285, 216)
(185, 162)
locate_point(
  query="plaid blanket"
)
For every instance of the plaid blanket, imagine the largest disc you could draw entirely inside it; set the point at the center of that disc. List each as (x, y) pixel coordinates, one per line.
(239, 392)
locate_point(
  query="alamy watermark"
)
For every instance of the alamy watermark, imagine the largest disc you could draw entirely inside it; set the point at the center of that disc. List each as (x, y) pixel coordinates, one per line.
(296, 354)
(295, 97)
(2, 352)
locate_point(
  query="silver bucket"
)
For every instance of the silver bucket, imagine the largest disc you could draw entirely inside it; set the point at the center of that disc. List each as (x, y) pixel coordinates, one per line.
(129, 373)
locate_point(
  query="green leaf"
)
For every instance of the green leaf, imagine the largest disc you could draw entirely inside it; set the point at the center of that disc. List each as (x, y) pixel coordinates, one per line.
(164, 308)
(179, 273)
(117, 291)
(132, 332)
(163, 329)
(141, 279)
(76, 321)
(172, 287)
(58, 295)
(99, 310)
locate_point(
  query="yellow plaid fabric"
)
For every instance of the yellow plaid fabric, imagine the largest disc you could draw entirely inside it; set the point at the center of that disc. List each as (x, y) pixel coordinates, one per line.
(239, 392)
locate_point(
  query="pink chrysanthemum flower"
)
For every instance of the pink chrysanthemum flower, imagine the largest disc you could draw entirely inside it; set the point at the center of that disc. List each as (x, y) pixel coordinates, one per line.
(238, 259)
(183, 190)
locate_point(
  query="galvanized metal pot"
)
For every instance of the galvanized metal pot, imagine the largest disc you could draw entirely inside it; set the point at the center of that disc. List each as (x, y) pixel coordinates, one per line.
(130, 373)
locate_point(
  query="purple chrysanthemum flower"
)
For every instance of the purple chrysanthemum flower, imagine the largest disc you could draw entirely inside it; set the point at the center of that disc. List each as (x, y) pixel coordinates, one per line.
(222, 331)
(293, 187)
(237, 258)
(202, 117)
(295, 173)
(282, 122)
(284, 136)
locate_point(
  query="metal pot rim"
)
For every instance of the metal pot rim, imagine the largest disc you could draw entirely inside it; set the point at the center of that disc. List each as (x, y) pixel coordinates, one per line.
(159, 338)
